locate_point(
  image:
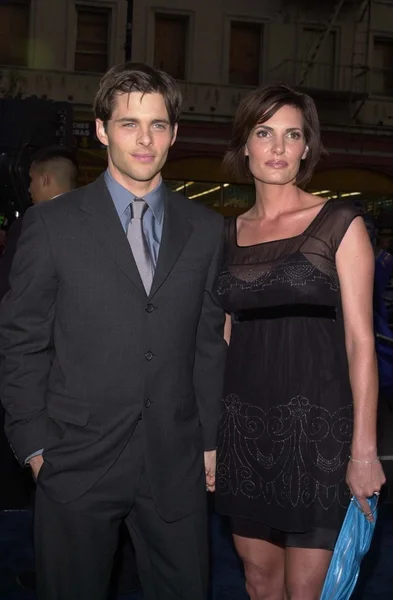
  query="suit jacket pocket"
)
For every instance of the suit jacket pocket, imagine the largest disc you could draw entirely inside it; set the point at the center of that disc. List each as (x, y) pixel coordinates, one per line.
(67, 409)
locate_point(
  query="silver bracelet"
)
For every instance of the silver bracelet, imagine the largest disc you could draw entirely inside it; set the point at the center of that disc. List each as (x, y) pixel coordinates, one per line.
(364, 462)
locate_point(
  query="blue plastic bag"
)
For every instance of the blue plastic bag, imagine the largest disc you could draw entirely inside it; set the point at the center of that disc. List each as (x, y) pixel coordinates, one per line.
(352, 544)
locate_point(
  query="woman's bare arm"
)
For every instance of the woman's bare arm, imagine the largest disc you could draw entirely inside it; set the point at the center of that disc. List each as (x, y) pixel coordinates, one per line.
(355, 267)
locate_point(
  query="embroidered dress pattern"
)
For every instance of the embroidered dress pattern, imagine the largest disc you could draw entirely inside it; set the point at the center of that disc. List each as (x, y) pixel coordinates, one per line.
(286, 434)
(290, 272)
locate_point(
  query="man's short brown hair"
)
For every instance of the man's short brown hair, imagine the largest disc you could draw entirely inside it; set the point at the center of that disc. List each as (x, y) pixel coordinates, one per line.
(258, 107)
(136, 77)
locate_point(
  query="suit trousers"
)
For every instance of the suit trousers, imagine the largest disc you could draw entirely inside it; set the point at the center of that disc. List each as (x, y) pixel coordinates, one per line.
(75, 542)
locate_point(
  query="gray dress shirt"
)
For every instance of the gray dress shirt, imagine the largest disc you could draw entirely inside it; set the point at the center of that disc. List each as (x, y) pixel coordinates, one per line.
(153, 217)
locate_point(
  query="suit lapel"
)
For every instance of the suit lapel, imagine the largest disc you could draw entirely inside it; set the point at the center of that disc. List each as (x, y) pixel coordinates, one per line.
(104, 225)
(175, 234)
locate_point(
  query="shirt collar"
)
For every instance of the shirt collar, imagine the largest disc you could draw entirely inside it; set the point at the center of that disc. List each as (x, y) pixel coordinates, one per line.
(122, 197)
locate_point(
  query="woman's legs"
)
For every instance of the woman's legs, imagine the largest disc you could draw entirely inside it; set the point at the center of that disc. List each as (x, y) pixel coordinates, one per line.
(305, 572)
(276, 573)
(264, 565)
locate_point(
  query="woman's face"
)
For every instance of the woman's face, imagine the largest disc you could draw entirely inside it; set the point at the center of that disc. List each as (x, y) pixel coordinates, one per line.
(276, 147)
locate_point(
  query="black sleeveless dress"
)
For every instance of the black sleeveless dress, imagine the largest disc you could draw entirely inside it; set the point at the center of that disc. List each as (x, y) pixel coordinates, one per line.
(286, 422)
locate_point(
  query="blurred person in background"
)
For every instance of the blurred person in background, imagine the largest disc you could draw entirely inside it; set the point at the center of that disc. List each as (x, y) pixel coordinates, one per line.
(53, 171)
(382, 277)
(385, 246)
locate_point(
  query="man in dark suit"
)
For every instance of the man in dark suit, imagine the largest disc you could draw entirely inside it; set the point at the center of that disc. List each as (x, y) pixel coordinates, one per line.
(113, 355)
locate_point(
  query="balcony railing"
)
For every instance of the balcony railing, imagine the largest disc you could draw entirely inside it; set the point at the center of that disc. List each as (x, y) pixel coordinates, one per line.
(327, 77)
(323, 81)
(78, 88)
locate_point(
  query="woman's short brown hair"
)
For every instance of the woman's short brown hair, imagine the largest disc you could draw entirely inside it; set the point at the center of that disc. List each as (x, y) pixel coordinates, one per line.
(136, 77)
(258, 107)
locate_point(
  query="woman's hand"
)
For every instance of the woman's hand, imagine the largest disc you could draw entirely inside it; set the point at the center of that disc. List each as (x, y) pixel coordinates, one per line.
(364, 479)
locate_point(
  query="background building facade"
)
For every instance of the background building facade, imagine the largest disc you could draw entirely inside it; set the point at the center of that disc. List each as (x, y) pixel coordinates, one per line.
(58, 50)
(341, 52)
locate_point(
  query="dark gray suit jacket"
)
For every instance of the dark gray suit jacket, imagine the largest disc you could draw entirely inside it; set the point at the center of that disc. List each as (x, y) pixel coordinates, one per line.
(85, 353)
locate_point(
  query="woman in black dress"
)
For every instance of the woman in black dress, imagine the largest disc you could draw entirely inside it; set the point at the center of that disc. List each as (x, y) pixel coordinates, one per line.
(301, 387)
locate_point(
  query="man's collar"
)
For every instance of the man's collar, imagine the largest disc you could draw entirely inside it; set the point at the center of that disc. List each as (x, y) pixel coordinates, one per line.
(123, 197)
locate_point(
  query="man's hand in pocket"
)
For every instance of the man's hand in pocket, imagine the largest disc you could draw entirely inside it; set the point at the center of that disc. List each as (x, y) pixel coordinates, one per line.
(36, 463)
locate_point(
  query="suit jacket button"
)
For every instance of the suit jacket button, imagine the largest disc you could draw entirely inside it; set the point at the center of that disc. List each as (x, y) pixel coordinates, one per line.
(149, 355)
(149, 308)
(147, 403)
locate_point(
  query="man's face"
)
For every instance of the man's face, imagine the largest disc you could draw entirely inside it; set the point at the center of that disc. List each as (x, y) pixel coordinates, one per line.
(37, 186)
(138, 137)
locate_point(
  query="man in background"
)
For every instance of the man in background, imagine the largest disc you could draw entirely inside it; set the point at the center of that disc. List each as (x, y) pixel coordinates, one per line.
(53, 171)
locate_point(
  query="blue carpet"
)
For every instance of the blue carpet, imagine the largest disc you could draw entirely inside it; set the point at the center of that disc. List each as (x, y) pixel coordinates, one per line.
(375, 583)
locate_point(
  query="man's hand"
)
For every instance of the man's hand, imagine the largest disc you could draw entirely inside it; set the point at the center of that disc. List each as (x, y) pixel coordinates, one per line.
(36, 463)
(210, 470)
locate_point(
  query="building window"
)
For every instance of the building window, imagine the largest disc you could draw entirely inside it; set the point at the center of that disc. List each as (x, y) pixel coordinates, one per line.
(245, 53)
(14, 32)
(320, 75)
(170, 44)
(382, 73)
(92, 39)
